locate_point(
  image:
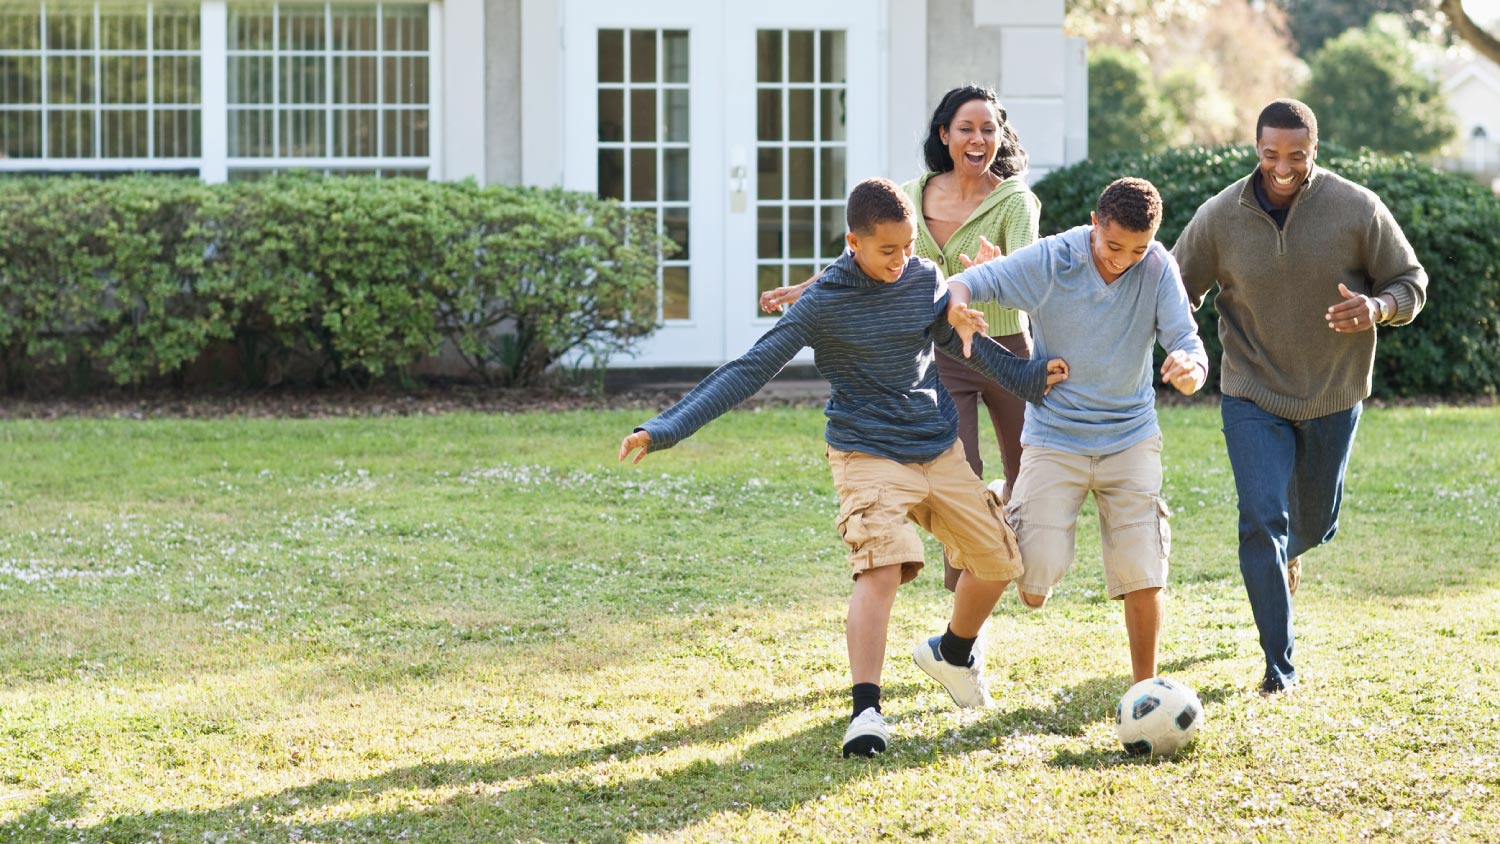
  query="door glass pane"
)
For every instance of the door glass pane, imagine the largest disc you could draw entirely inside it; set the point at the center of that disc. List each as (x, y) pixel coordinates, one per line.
(799, 56)
(674, 292)
(675, 226)
(674, 115)
(642, 132)
(799, 115)
(611, 55)
(800, 153)
(768, 173)
(643, 175)
(642, 55)
(642, 115)
(612, 173)
(611, 115)
(675, 174)
(674, 62)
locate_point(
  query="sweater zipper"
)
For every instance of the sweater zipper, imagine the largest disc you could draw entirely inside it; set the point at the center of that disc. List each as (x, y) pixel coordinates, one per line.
(1280, 230)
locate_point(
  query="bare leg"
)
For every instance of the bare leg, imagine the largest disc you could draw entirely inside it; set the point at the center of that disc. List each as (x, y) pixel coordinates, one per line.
(1143, 610)
(869, 620)
(973, 601)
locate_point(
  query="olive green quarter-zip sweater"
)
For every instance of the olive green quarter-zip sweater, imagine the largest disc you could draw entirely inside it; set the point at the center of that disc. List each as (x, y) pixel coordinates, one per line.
(1277, 283)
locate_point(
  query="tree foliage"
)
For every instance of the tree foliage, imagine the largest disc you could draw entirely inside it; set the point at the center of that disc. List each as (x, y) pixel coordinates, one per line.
(1367, 91)
(1313, 23)
(1126, 111)
(1214, 63)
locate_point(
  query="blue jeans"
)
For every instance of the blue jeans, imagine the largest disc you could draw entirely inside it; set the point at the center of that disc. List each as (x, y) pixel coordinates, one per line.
(1290, 479)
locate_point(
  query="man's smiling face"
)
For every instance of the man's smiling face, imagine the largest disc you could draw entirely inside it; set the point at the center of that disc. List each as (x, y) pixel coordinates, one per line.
(1286, 156)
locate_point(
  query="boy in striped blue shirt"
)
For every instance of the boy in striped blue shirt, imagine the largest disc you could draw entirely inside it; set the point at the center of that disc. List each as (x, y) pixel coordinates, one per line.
(872, 322)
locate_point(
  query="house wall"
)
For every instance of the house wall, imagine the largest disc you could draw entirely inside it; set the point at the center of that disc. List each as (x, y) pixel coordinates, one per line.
(502, 91)
(1474, 98)
(1018, 48)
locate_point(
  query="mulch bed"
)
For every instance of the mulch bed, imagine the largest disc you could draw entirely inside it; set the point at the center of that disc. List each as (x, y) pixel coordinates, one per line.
(326, 403)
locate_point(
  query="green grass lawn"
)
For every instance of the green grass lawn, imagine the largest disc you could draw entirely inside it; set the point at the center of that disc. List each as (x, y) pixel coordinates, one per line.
(482, 628)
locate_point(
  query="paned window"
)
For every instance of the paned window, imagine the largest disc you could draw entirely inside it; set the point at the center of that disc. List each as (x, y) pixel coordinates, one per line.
(332, 86)
(643, 140)
(800, 153)
(101, 80)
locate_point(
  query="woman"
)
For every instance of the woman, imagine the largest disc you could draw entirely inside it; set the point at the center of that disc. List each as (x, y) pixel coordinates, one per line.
(971, 194)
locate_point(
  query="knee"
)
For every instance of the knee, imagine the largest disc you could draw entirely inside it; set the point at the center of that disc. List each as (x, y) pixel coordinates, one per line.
(1031, 601)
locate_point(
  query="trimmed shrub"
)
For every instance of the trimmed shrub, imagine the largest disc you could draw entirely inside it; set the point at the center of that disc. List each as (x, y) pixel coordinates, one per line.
(341, 279)
(1453, 347)
(103, 276)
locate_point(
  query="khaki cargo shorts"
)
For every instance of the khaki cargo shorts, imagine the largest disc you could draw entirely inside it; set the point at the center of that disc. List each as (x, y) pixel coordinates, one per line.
(879, 499)
(1133, 519)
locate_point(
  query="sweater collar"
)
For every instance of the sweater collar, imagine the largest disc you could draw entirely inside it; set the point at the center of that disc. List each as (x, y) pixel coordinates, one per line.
(1314, 179)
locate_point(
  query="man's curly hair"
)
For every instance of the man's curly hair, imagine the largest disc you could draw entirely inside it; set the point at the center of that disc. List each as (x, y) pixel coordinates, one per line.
(1132, 203)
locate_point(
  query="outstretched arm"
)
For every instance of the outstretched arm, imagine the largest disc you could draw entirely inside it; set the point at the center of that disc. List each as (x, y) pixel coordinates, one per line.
(725, 387)
(1029, 379)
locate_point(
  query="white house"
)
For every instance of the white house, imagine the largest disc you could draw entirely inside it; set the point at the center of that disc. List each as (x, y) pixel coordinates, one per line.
(1473, 92)
(742, 124)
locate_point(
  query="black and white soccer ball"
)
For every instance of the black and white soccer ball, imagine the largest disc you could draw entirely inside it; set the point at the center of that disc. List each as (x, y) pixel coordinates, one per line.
(1158, 717)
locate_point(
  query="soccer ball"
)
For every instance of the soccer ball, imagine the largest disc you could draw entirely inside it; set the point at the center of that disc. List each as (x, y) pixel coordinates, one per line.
(1158, 717)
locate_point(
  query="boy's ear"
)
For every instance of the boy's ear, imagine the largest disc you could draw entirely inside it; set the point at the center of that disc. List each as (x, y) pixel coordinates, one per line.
(852, 239)
(1093, 219)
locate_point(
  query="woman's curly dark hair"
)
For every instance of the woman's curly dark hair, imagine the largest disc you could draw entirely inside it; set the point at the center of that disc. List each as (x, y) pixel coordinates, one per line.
(1010, 159)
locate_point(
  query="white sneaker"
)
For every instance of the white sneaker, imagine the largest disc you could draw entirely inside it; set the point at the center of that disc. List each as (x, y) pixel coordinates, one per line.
(867, 734)
(962, 682)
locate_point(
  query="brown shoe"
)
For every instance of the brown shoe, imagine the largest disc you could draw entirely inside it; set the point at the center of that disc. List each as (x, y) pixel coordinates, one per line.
(1293, 574)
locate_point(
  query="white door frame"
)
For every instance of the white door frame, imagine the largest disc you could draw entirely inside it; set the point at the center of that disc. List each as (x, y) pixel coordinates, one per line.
(722, 322)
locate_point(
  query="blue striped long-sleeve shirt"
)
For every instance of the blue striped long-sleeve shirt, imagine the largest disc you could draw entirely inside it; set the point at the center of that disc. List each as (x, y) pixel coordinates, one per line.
(874, 342)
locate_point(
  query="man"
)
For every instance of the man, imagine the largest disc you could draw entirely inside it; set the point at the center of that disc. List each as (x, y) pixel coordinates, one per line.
(1307, 263)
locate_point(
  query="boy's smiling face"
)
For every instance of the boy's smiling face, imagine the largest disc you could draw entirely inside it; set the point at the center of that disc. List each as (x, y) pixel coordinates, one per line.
(882, 253)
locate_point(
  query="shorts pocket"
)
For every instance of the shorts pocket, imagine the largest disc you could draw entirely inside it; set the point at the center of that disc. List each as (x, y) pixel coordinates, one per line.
(997, 509)
(1164, 527)
(851, 519)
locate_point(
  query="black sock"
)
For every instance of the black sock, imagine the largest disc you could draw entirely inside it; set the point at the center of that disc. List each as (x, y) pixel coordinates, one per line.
(866, 695)
(956, 649)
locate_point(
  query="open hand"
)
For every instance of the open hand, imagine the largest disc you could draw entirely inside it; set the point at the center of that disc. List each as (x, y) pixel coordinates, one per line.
(987, 252)
(1356, 313)
(637, 440)
(967, 322)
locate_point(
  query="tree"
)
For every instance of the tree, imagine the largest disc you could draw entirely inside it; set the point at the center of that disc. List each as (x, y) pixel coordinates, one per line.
(1126, 111)
(1464, 27)
(1315, 22)
(1367, 91)
(1216, 62)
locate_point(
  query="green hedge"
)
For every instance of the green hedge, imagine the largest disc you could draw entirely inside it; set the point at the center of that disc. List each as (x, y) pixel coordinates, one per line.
(329, 279)
(1453, 348)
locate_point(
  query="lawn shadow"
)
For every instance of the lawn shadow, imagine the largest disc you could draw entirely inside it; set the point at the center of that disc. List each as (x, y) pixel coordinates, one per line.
(517, 798)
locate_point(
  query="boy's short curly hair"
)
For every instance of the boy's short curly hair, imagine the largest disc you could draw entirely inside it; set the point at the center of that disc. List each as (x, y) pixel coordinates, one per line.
(1132, 203)
(876, 201)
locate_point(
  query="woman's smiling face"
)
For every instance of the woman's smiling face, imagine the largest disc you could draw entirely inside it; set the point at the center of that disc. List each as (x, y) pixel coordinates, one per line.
(973, 137)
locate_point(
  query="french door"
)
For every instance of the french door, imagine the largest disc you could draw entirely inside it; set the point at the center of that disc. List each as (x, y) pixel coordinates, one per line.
(742, 125)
